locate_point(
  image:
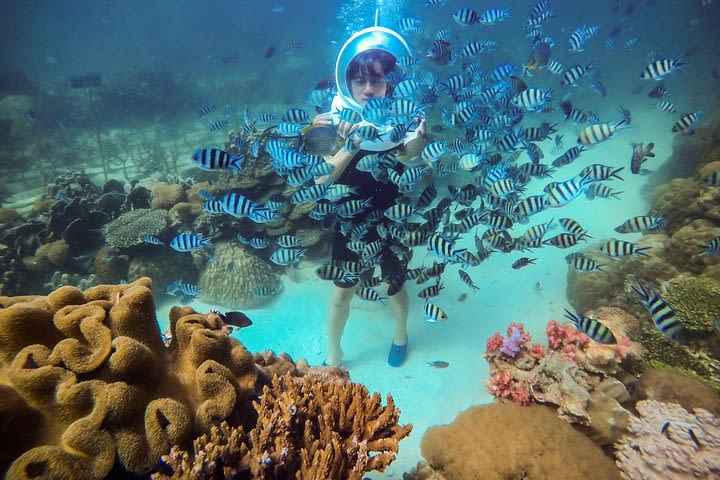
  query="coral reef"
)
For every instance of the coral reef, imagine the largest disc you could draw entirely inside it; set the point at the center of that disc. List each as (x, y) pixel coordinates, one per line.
(672, 387)
(60, 279)
(666, 441)
(308, 428)
(163, 266)
(49, 256)
(130, 228)
(104, 396)
(501, 441)
(696, 301)
(231, 279)
(573, 372)
(167, 195)
(94, 366)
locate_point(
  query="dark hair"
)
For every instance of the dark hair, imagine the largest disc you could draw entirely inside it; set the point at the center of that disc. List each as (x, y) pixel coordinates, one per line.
(363, 64)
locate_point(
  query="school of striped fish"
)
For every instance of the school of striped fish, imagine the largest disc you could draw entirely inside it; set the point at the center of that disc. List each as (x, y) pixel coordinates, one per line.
(493, 129)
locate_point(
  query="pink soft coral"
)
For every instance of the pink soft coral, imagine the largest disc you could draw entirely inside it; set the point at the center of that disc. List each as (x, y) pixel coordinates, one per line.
(560, 336)
(538, 351)
(494, 343)
(500, 384)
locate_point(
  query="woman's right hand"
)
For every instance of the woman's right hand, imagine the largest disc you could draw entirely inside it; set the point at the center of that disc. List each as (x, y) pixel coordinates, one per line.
(323, 119)
(344, 129)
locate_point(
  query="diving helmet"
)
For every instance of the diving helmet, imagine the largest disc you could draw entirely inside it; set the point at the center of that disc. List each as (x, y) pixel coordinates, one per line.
(375, 37)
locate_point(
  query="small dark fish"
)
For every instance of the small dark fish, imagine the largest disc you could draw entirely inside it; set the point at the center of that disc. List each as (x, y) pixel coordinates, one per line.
(231, 266)
(694, 438)
(236, 319)
(33, 115)
(539, 56)
(522, 262)
(438, 364)
(715, 74)
(665, 427)
(462, 297)
(269, 52)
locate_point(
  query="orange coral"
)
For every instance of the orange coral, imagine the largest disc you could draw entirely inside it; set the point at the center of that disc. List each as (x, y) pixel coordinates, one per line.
(94, 367)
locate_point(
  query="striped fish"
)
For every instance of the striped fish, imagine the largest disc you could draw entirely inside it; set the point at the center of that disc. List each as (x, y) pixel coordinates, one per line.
(465, 277)
(569, 156)
(564, 192)
(563, 240)
(659, 69)
(152, 240)
(431, 291)
(287, 256)
(575, 73)
(620, 248)
(662, 314)
(370, 295)
(219, 125)
(666, 106)
(265, 291)
(433, 151)
(555, 67)
(597, 172)
(494, 15)
(592, 328)
(600, 190)
(433, 314)
(600, 132)
(188, 242)
(582, 262)
(686, 123)
(571, 226)
(335, 273)
(711, 248)
(288, 241)
(296, 116)
(207, 110)
(213, 159)
(642, 223)
(237, 205)
(466, 16)
(533, 99)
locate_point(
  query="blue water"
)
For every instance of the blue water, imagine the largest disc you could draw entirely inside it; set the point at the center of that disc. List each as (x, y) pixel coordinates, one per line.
(130, 42)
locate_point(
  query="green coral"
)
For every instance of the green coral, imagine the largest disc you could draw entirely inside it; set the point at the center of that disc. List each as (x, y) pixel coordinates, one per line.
(696, 301)
(130, 228)
(663, 353)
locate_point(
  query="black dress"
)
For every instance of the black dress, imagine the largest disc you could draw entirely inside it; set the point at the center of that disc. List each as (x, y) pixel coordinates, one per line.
(384, 196)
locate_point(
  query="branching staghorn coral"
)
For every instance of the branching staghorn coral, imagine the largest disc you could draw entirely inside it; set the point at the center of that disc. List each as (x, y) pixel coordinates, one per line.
(310, 428)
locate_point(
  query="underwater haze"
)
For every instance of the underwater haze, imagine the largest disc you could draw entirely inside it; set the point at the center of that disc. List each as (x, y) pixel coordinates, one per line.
(518, 212)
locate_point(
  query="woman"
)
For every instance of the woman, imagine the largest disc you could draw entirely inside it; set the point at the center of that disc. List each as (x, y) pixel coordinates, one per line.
(364, 80)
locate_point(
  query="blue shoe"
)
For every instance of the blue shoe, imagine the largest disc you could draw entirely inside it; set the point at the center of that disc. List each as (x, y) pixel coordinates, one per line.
(397, 355)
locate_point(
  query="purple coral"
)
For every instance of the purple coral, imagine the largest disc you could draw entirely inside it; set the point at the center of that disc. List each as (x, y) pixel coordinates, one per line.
(513, 343)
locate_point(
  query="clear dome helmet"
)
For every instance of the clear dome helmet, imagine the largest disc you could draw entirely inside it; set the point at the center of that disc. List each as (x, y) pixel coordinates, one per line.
(370, 38)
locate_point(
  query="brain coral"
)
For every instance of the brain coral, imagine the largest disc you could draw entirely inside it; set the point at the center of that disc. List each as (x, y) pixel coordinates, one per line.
(503, 441)
(93, 366)
(232, 277)
(130, 228)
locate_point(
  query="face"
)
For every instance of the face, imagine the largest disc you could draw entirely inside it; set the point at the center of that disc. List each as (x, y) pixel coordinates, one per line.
(367, 87)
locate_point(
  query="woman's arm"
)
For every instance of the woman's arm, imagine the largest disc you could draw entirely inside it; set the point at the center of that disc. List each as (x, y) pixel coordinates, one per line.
(340, 161)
